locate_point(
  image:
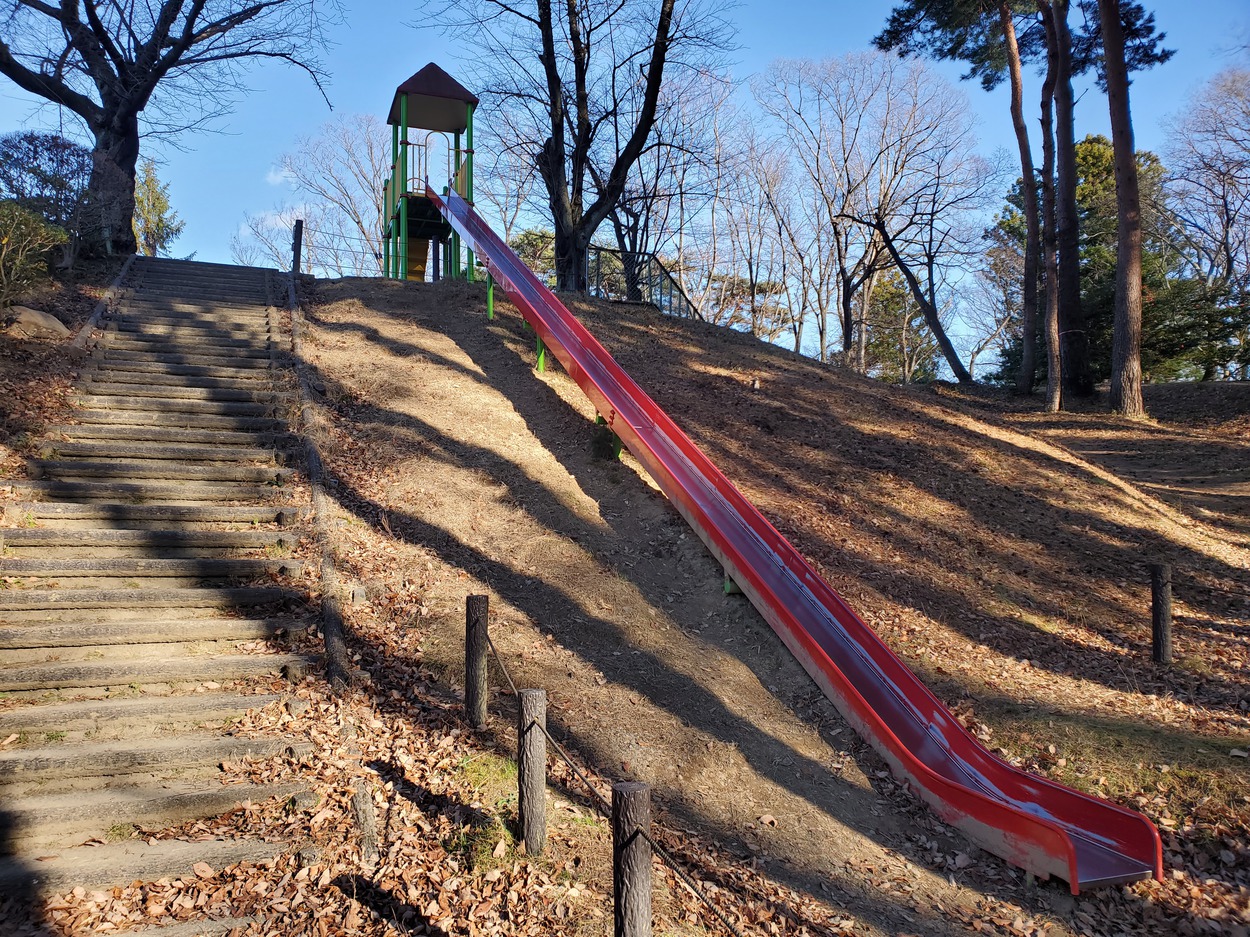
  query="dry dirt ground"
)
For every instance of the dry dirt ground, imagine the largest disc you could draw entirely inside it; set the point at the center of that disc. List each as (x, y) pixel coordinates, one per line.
(1001, 553)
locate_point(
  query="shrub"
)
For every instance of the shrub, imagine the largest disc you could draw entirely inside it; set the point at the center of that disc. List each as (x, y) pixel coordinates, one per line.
(25, 240)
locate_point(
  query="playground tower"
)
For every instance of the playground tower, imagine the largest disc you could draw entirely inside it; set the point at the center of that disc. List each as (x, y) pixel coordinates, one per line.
(432, 101)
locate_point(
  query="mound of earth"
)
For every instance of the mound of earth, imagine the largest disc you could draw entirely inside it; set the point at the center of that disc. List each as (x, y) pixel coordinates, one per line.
(1002, 554)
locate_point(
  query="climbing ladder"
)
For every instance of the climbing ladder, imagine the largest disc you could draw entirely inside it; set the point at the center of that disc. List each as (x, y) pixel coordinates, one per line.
(148, 598)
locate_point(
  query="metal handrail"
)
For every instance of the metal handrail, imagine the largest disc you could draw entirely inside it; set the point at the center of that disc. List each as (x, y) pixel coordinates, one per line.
(637, 276)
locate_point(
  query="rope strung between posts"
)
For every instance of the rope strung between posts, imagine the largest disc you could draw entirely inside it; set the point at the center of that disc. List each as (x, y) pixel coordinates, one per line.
(600, 801)
(605, 807)
(689, 882)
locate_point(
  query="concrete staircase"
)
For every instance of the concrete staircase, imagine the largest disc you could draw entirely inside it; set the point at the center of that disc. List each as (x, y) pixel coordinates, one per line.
(147, 601)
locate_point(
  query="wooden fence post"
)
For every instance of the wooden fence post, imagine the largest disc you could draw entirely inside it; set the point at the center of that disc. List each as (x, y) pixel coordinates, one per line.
(631, 859)
(297, 247)
(476, 641)
(532, 770)
(1161, 612)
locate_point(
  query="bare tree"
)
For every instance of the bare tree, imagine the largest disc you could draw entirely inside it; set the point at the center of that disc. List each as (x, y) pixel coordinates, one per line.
(571, 72)
(836, 117)
(506, 184)
(335, 174)
(1208, 156)
(176, 62)
(992, 307)
(984, 35)
(264, 239)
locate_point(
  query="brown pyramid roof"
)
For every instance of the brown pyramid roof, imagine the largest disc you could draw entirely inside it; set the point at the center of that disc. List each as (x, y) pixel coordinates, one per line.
(436, 101)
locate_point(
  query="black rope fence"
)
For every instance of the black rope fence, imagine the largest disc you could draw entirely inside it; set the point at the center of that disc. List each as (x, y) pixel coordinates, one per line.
(602, 804)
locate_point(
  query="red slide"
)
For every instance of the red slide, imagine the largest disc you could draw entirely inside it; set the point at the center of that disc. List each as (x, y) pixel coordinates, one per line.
(1042, 827)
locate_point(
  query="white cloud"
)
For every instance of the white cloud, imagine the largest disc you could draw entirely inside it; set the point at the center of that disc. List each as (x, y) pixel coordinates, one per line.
(277, 176)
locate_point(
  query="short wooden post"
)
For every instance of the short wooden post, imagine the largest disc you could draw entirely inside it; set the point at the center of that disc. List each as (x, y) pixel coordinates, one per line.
(476, 641)
(532, 770)
(631, 859)
(297, 247)
(1161, 612)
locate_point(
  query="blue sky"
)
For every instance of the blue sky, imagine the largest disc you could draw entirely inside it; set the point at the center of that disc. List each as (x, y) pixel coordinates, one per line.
(216, 177)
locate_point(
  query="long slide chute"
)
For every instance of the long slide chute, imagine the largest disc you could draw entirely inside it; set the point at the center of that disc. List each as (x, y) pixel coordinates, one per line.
(1036, 824)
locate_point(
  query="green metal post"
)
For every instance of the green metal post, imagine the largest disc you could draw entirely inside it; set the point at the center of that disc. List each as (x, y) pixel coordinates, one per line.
(490, 297)
(542, 355)
(393, 244)
(386, 232)
(617, 445)
(468, 172)
(403, 204)
(455, 237)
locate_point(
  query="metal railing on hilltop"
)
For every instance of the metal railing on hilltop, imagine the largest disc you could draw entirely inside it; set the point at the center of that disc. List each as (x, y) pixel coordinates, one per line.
(638, 277)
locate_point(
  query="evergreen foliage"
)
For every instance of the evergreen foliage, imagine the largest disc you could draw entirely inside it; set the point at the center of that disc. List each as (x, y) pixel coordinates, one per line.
(157, 225)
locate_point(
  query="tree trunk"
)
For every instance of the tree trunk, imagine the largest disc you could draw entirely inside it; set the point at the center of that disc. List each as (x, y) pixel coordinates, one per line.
(1078, 378)
(1126, 394)
(111, 189)
(1032, 244)
(572, 272)
(926, 306)
(1050, 236)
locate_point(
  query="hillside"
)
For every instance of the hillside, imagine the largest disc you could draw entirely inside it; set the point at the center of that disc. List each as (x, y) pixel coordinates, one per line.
(1000, 552)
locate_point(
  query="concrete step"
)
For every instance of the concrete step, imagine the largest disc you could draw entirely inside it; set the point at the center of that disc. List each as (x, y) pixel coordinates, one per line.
(95, 377)
(184, 750)
(249, 369)
(199, 296)
(144, 631)
(186, 300)
(30, 513)
(118, 716)
(178, 419)
(137, 450)
(194, 668)
(139, 567)
(67, 819)
(219, 345)
(122, 434)
(237, 597)
(151, 492)
(266, 395)
(188, 327)
(180, 355)
(157, 469)
(134, 860)
(218, 350)
(155, 404)
(44, 537)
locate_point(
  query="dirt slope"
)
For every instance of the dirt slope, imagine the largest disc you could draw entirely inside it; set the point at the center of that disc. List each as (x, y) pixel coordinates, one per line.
(1003, 566)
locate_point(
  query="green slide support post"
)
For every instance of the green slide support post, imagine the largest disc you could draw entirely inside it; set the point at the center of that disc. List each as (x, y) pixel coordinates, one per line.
(490, 298)
(455, 270)
(403, 190)
(542, 356)
(468, 176)
(392, 213)
(607, 440)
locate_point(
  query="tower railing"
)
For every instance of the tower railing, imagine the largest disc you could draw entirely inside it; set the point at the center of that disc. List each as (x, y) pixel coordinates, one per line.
(639, 277)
